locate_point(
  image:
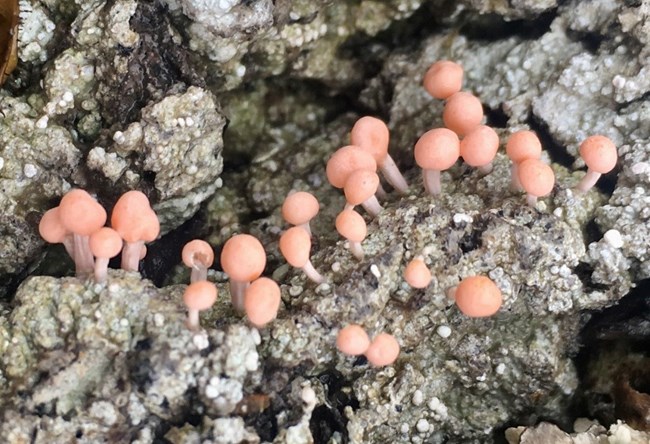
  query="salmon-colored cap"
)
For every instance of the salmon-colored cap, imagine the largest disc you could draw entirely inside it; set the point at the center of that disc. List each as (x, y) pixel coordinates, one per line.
(383, 350)
(80, 213)
(295, 246)
(463, 112)
(523, 145)
(346, 160)
(443, 79)
(243, 258)
(536, 177)
(105, 243)
(417, 274)
(300, 207)
(372, 135)
(478, 296)
(360, 186)
(351, 226)
(479, 146)
(134, 219)
(197, 251)
(599, 153)
(262, 301)
(200, 295)
(50, 228)
(437, 149)
(352, 340)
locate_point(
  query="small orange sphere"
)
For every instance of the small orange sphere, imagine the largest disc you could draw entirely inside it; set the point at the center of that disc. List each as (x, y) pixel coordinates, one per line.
(295, 246)
(134, 219)
(523, 145)
(197, 251)
(50, 227)
(105, 243)
(372, 135)
(345, 161)
(352, 340)
(360, 186)
(351, 226)
(262, 301)
(80, 213)
(536, 177)
(463, 112)
(200, 295)
(599, 153)
(437, 149)
(383, 350)
(479, 146)
(243, 258)
(417, 274)
(478, 296)
(300, 207)
(443, 79)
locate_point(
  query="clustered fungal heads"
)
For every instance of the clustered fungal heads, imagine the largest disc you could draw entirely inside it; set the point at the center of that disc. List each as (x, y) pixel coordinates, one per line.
(353, 340)
(78, 223)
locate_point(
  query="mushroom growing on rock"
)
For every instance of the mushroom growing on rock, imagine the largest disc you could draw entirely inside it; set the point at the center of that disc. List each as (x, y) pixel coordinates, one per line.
(352, 340)
(295, 246)
(443, 79)
(463, 112)
(599, 153)
(198, 296)
(105, 244)
(522, 145)
(479, 147)
(417, 274)
(536, 178)
(299, 208)
(243, 259)
(137, 223)
(478, 296)
(345, 161)
(351, 226)
(435, 151)
(372, 135)
(360, 189)
(198, 256)
(82, 216)
(52, 231)
(383, 350)
(262, 301)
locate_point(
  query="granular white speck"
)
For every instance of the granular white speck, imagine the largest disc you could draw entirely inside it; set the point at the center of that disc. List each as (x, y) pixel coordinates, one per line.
(417, 398)
(68, 96)
(251, 361)
(336, 267)
(640, 168)
(295, 290)
(158, 320)
(500, 369)
(443, 331)
(189, 121)
(181, 122)
(211, 391)
(462, 218)
(404, 428)
(200, 340)
(192, 170)
(2, 162)
(124, 322)
(240, 71)
(30, 170)
(42, 122)
(422, 425)
(613, 238)
(558, 212)
(618, 81)
(119, 138)
(375, 271)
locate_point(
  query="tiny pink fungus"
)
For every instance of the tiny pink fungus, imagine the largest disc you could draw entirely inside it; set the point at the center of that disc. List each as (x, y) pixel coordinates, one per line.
(137, 223)
(462, 113)
(345, 161)
(198, 296)
(479, 147)
(599, 153)
(360, 189)
(435, 151)
(352, 340)
(383, 350)
(105, 244)
(262, 301)
(536, 178)
(443, 79)
(198, 256)
(372, 135)
(295, 246)
(417, 274)
(299, 208)
(522, 145)
(243, 259)
(351, 226)
(478, 296)
(82, 215)
(52, 230)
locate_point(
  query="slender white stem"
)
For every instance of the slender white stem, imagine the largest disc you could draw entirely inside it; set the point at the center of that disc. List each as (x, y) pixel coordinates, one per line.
(83, 257)
(486, 169)
(432, 181)
(237, 291)
(514, 175)
(393, 176)
(199, 273)
(381, 192)
(588, 181)
(532, 200)
(348, 207)
(131, 255)
(356, 249)
(312, 274)
(101, 269)
(193, 319)
(306, 227)
(372, 206)
(68, 243)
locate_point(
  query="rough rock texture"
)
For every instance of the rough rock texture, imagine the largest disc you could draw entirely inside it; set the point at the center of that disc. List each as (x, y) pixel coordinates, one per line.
(593, 433)
(128, 94)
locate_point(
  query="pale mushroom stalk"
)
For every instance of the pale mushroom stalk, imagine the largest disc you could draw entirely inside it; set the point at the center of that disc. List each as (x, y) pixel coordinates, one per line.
(199, 273)
(305, 227)
(131, 255)
(514, 175)
(393, 176)
(83, 257)
(588, 181)
(381, 192)
(237, 292)
(356, 249)
(312, 274)
(101, 266)
(193, 322)
(531, 200)
(486, 169)
(432, 181)
(372, 206)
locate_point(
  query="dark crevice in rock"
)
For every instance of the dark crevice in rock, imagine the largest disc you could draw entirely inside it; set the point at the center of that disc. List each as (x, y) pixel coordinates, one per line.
(557, 152)
(492, 27)
(328, 419)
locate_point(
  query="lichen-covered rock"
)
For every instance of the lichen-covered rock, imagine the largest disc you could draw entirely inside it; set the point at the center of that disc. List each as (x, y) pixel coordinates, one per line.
(546, 433)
